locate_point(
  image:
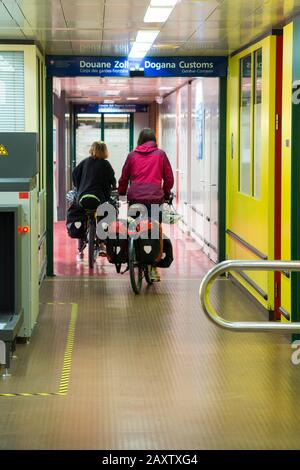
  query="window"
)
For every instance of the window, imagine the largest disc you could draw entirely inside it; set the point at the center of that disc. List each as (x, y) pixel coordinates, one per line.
(12, 108)
(88, 130)
(257, 123)
(245, 124)
(250, 124)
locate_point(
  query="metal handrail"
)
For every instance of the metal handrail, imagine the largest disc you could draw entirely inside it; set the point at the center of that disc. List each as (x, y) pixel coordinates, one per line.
(234, 265)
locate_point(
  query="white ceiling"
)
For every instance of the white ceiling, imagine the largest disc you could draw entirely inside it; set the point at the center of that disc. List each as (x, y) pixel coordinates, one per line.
(96, 89)
(109, 27)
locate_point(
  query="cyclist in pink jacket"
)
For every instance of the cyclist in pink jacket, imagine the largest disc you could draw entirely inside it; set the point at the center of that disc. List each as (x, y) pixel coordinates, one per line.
(150, 174)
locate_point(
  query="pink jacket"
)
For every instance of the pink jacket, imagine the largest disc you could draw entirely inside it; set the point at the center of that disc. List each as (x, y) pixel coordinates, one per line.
(150, 174)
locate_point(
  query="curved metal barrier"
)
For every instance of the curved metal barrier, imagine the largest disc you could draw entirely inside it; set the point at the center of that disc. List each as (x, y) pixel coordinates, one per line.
(234, 265)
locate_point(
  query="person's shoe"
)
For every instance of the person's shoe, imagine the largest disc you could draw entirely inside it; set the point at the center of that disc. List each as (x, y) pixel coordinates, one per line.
(80, 256)
(102, 250)
(154, 274)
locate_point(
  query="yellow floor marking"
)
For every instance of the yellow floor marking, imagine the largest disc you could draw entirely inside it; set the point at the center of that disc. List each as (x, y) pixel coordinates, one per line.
(67, 363)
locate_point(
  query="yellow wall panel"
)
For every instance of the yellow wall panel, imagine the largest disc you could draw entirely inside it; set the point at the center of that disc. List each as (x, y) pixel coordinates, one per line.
(252, 219)
(238, 251)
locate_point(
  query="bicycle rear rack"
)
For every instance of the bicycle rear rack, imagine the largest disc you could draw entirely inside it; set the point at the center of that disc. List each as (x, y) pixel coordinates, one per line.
(237, 266)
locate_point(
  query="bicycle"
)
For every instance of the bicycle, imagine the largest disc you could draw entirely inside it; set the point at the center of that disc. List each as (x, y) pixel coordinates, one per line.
(137, 269)
(89, 203)
(126, 244)
(143, 251)
(90, 239)
(141, 262)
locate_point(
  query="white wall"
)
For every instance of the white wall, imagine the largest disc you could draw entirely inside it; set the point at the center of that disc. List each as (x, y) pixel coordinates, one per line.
(190, 133)
(204, 163)
(183, 136)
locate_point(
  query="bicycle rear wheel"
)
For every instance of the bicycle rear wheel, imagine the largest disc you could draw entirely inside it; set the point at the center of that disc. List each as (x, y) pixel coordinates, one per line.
(147, 271)
(92, 235)
(135, 270)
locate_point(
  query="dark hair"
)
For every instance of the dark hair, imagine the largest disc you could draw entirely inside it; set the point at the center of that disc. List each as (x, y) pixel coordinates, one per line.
(146, 135)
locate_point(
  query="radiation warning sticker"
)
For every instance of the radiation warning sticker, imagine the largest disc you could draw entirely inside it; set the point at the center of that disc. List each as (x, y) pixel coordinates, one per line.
(3, 151)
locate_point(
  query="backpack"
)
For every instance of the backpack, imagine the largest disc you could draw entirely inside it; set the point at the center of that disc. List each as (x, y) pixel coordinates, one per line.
(76, 221)
(117, 243)
(167, 255)
(149, 248)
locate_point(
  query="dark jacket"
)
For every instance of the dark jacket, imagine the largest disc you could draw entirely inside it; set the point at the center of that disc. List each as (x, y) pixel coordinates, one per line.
(94, 176)
(150, 174)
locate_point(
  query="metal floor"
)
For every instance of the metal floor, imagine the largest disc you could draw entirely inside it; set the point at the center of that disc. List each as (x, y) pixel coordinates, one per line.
(148, 371)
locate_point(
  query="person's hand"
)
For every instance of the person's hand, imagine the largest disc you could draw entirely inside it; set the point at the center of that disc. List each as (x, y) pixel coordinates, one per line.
(167, 197)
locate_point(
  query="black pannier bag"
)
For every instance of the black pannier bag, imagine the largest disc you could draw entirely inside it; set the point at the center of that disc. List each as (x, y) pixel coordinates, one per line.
(76, 221)
(149, 243)
(117, 243)
(167, 255)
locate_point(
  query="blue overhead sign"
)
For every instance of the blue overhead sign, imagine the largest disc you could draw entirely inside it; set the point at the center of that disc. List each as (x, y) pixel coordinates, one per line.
(185, 66)
(110, 108)
(74, 66)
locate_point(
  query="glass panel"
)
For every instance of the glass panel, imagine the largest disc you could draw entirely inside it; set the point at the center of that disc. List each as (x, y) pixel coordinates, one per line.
(199, 101)
(257, 123)
(214, 170)
(245, 125)
(88, 130)
(12, 108)
(168, 132)
(116, 137)
(182, 135)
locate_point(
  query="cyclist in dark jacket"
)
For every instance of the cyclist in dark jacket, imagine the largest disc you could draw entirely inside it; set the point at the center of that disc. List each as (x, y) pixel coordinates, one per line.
(94, 178)
(94, 175)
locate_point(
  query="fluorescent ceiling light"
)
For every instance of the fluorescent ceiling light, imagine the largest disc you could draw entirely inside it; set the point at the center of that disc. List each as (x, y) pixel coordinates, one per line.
(132, 98)
(133, 54)
(165, 88)
(108, 101)
(157, 15)
(138, 50)
(147, 36)
(165, 45)
(141, 46)
(163, 3)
